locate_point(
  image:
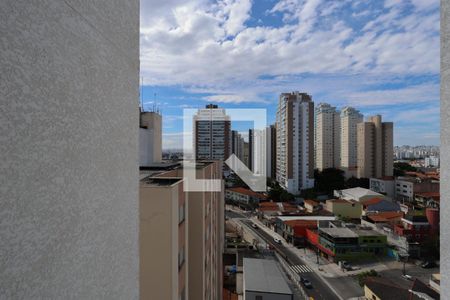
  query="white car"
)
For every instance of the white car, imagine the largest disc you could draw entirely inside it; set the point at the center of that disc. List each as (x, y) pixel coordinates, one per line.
(277, 240)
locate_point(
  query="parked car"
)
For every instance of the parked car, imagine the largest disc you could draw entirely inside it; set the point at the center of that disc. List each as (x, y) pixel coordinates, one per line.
(407, 277)
(428, 265)
(277, 240)
(345, 265)
(254, 226)
(306, 282)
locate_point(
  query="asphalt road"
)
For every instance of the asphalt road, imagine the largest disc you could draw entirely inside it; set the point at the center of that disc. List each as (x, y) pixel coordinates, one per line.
(319, 289)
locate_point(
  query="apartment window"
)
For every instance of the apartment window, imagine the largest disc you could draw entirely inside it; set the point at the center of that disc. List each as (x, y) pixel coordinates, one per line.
(181, 213)
(181, 257)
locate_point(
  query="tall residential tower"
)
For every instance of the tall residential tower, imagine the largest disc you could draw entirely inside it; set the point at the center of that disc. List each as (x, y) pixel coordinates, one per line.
(375, 148)
(212, 130)
(350, 117)
(327, 137)
(295, 142)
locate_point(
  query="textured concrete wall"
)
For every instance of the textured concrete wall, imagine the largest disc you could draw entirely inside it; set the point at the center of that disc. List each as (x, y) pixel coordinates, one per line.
(68, 149)
(445, 147)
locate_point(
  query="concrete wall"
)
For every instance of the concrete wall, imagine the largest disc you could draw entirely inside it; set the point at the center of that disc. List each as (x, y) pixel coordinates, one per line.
(69, 149)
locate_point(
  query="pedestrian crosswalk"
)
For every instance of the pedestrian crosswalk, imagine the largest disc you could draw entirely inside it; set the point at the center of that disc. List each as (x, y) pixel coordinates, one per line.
(301, 269)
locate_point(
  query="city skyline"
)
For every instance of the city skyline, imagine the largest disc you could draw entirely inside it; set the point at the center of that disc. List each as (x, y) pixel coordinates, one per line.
(223, 43)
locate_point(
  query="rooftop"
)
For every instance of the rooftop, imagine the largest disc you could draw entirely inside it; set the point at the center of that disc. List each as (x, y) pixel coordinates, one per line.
(385, 216)
(159, 181)
(262, 275)
(341, 232)
(248, 192)
(359, 192)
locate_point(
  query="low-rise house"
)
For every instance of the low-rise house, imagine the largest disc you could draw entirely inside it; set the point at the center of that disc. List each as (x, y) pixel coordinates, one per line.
(312, 206)
(386, 217)
(414, 228)
(379, 205)
(428, 199)
(244, 196)
(379, 288)
(345, 209)
(407, 186)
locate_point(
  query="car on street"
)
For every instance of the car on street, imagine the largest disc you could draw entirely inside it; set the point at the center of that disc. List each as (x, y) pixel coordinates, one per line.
(346, 266)
(277, 240)
(254, 226)
(407, 277)
(428, 264)
(306, 283)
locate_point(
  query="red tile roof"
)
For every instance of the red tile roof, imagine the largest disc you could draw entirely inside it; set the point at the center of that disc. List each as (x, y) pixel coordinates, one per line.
(435, 195)
(248, 192)
(371, 201)
(385, 216)
(311, 202)
(305, 223)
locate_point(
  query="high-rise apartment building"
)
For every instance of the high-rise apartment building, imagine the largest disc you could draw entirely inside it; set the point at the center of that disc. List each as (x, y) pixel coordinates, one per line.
(181, 235)
(251, 148)
(375, 148)
(212, 133)
(163, 238)
(350, 117)
(327, 132)
(237, 144)
(295, 142)
(258, 153)
(150, 138)
(271, 151)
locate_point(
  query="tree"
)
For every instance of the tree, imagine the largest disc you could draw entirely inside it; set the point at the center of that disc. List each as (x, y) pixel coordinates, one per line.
(329, 180)
(353, 182)
(363, 276)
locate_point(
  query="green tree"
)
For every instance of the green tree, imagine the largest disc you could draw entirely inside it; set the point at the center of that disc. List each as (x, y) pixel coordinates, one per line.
(364, 275)
(328, 180)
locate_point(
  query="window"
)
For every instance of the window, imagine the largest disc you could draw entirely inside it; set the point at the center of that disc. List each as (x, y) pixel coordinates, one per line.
(180, 258)
(181, 213)
(258, 297)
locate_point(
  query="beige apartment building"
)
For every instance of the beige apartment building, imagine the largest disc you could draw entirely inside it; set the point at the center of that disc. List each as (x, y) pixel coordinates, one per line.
(350, 117)
(375, 157)
(295, 142)
(181, 235)
(327, 132)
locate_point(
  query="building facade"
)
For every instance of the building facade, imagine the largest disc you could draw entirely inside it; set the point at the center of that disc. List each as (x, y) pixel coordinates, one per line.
(237, 144)
(212, 133)
(375, 155)
(163, 238)
(295, 142)
(350, 117)
(205, 219)
(271, 151)
(327, 132)
(150, 138)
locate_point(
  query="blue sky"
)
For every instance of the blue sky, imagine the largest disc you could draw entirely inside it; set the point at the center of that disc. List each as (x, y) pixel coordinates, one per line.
(377, 56)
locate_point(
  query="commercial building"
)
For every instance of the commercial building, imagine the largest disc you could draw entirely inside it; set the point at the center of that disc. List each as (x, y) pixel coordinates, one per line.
(263, 280)
(205, 231)
(271, 151)
(327, 133)
(358, 194)
(69, 149)
(295, 142)
(431, 161)
(350, 117)
(212, 133)
(407, 187)
(345, 209)
(150, 138)
(380, 288)
(350, 244)
(375, 142)
(385, 186)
